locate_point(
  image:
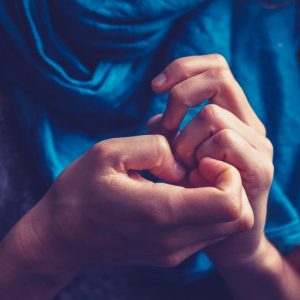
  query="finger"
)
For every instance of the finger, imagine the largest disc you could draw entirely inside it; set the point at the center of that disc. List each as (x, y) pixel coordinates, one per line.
(153, 124)
(220, 87)
(216, 67)
(227, 145)
(221, 175)
(149, 152)
(154, 127)
(185, 240)
(174, 259)
(211, 119)
(184, 68)
(184, 237)
(170, 206)
(208, 205)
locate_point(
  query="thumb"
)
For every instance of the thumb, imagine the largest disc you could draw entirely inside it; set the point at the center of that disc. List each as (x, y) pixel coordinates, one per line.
(218, 196)
(148, 152)
(221, 175)
(227, 178)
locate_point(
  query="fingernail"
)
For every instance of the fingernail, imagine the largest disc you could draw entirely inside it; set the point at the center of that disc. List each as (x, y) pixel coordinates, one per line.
(159, 80)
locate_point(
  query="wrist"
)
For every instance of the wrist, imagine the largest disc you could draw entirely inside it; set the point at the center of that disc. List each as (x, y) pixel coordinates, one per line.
(37, 250)
(265, 258)
(264, 275)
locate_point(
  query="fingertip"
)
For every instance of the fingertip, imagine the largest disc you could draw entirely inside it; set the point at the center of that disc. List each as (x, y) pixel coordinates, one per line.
(205, 162)
(159, 82)
(153, 124)
(211, 168)
(220, 174)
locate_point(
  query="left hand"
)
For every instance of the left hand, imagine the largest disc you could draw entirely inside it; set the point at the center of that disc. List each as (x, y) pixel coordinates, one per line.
(228, 130)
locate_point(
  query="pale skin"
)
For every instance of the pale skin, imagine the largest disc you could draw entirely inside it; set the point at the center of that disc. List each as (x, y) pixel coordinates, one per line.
(227, 130)
(101, 203)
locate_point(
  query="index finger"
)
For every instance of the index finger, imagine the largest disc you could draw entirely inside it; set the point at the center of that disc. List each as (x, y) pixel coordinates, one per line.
(184, 68)
(208, 77)
(221, 202)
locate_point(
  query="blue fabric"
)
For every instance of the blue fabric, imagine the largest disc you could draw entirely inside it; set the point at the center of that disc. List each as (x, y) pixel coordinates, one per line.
(78, 71)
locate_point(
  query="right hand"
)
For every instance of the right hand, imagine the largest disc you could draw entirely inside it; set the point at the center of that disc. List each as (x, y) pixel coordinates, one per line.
(102, 211)
(228, 129)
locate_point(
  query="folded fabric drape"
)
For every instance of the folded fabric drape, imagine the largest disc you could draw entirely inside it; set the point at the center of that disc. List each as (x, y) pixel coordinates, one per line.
(78, 71)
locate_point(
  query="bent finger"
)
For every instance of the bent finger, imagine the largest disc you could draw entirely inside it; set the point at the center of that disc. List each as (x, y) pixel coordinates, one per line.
(218, 203)
(220, 87)
(256, 168)
(148, 152)
(211, 119)
(184, 68)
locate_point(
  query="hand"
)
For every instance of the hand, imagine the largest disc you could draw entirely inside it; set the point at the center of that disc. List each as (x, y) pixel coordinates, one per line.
(102, 211)
(226, 130)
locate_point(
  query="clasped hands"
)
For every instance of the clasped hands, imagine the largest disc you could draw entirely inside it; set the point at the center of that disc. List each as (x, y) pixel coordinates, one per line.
(216, 176)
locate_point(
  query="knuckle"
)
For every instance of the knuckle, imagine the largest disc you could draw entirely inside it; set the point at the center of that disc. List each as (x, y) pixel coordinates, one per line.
(105, 155)
(177, 95)
(220, 60)
(231, 206)
(102, 150)
(226, 84)
(223, 78)
(261, 177)
(220, 73)
(225, 137)
(161, 143)
(209, 112)
(246, 222)
(211, 116)
(179, 66)
(269, 147)
(261, 128)
(268, 173)
(161, 149)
